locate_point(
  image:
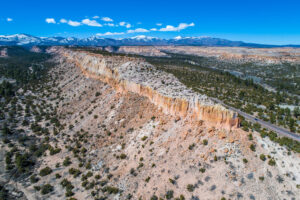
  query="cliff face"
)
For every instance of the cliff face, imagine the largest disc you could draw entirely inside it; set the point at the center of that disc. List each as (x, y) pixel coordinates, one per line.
(162, 89)
(239, 54)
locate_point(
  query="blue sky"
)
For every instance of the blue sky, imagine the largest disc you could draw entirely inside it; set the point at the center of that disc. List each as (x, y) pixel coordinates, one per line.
(261, 21)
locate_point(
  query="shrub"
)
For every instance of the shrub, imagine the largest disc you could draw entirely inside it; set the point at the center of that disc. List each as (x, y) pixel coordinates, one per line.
(111, 190)
(37, 188)
(202, 170)
(147, 179)
(215, 158)
(74, 172)
(262, 157)
(144, 138)
(132, 172)
(88, 165)
(46, 171)
(191, 146)
(97, 176)
(69, 193)
(170, 194)
(84, 183)
(54, 151)
(57, 176)
(45, 189)
(89, 174)
(67, 161)
(65, 183)
(154, 197)
(272, 162)
(250, 136)
(252, 147)
(23, 162)
(261, 178)
(181, 197)
(190, 187)
(140, 165)
(34, 179)
(205, 142)
(245, 160)
(123, 156)
(172, 181)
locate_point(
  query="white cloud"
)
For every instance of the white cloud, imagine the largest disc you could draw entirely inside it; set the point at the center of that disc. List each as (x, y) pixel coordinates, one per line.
(153, 29)
(91, 22)
(9, 19)
(50, 20)
(126, 24)
(109, 24)
(74, 23)
(96, 17)
(158, 24)
(70, 22)
(110, 33)
(181, 26)
(138, 30)
(106, 19)
(63, 21)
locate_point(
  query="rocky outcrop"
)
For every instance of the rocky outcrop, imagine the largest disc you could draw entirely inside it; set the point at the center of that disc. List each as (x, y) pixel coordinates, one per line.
(36, 49)
(141, 50)
(3, 53)
(128, 74)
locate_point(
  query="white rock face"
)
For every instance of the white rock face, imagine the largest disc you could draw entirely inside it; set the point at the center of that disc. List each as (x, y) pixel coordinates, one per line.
(164, 90)
(3, 53)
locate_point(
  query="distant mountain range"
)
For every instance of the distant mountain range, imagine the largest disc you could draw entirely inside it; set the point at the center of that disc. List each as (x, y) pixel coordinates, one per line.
(29, 40)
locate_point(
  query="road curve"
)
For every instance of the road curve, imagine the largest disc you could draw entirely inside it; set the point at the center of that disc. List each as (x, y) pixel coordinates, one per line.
(280, 131)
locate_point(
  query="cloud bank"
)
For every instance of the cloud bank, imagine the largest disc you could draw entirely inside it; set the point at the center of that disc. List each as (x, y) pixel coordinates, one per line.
(92, 22)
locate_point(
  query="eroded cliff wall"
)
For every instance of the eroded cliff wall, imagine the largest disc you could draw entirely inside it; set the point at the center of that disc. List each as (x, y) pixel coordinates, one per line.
(127, 74)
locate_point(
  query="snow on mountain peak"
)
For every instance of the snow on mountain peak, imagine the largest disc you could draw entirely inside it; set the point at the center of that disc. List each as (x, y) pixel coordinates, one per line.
(143, 37)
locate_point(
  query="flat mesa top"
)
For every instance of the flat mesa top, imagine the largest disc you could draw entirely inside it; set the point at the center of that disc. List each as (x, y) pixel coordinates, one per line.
(140, 72)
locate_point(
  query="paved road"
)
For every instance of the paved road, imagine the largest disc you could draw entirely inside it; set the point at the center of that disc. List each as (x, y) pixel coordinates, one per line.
(278, 130)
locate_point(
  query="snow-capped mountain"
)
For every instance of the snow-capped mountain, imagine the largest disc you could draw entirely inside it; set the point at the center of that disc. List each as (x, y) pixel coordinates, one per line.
(28, 40)
(18, 39)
